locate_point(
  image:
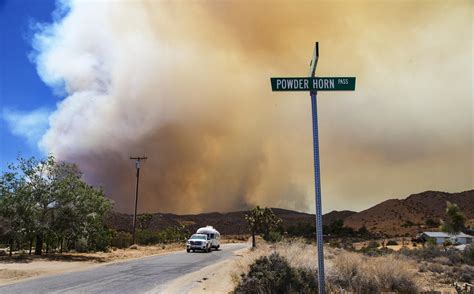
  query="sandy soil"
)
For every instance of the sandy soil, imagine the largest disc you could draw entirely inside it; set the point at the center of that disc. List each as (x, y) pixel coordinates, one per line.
(22, 267)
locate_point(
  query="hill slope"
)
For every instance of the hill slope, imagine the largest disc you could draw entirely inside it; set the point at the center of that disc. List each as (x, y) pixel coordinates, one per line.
(227, 223)
(408, 216)
(392, 217)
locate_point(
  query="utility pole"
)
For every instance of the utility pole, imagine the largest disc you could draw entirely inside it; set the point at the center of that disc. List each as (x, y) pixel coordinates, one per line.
(137, 165)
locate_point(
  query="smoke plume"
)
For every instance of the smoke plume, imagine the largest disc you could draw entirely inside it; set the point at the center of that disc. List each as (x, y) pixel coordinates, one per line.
(188, 86)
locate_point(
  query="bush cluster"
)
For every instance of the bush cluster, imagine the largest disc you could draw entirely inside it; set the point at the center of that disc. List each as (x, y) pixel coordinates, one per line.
(336, 229)
(121, 239)
(392, 243)
(273, 274)
(166, 235)
(360, 274)
(286, 272)
(451, 265)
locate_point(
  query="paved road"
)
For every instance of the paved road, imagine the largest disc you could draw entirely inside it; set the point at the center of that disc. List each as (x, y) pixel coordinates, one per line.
(136, 276)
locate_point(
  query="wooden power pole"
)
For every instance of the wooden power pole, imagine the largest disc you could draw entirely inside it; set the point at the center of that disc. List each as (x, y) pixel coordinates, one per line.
(137, 165)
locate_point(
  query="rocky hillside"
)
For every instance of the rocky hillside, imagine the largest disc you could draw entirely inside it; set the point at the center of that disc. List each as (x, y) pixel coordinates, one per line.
(416, 213)
(394, 217)
(227, 223)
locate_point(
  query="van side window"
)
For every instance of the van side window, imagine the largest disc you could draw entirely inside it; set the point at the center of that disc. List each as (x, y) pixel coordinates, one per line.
(212, 236)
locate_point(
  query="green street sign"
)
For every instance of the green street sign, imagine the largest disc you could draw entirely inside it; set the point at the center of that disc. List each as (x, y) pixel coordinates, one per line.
(314, 84)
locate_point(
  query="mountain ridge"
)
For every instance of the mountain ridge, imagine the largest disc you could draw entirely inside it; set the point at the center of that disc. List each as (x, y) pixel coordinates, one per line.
(391, 217)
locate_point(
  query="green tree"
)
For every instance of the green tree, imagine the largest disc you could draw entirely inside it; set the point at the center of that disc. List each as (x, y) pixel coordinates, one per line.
(454, 221)
(269, 223)
(261, 221)
(47, 200)
(254, 221)
(17, 211)
(144, 220)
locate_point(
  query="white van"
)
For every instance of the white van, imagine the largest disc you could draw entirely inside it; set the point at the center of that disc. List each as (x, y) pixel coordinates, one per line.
(212, 235)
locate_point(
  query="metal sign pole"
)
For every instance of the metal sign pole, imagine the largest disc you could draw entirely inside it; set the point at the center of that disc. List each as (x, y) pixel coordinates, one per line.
(317, 187)
(314, 84)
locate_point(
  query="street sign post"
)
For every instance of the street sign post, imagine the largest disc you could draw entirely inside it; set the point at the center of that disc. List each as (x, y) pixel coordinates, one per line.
(313, 85)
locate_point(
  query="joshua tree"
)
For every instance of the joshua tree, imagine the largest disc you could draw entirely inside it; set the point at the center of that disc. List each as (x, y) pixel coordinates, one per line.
(454, 222)
(261, 221)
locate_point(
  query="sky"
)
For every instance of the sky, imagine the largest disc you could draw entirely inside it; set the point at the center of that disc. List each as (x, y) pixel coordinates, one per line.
(21, 90)
(188, 85)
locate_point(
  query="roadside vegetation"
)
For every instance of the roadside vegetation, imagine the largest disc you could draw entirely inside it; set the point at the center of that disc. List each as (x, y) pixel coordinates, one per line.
(268, 269)
(45, 205)
(289, 265)
(263, 221)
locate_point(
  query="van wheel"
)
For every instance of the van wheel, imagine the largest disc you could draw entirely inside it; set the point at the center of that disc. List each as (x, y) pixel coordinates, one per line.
(187, 250)
(209, 249)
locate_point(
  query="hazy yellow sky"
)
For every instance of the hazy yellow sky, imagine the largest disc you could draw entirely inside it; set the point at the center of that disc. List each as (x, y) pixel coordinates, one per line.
(188, 85)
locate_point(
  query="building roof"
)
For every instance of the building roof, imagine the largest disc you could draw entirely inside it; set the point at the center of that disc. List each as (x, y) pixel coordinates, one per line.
(446, 235)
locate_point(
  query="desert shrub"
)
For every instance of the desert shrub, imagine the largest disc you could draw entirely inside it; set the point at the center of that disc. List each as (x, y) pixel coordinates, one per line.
(99, 239)
(273, 274)
(455, 256)
(431, 242)
(468, 254)
(426, 253)
(371, 249)
(443, 260)
(407, 224)
(373, 244)
(302, 230)
(173, 234)
(121, 239)
(432, 223)
(423, 267)
(463, 273)
(81, 245)
(334, 243)
(392, 243)
(274, 236)
(147, 237)
(357, 273)
(466, 274)
(447, 242)
(435, 267)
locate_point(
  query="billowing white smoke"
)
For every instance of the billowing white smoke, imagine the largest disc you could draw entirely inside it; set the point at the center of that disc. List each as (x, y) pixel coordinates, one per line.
(188, 86)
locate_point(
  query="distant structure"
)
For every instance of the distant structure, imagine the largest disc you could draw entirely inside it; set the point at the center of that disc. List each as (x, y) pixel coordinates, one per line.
(441, 237)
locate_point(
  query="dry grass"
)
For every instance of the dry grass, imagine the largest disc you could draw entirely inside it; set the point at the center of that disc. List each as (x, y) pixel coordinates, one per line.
(355, 272)
(345, 271)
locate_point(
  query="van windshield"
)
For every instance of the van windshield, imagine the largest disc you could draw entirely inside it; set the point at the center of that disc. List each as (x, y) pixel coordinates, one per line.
(202, 237)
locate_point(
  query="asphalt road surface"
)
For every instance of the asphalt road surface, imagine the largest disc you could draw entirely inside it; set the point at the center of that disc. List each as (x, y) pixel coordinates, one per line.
(136, 276)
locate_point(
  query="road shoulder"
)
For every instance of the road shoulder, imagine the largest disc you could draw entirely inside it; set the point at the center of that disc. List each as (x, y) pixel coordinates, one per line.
(216, 278)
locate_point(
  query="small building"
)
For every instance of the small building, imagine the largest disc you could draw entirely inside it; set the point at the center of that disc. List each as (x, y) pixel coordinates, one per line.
(441, 237)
